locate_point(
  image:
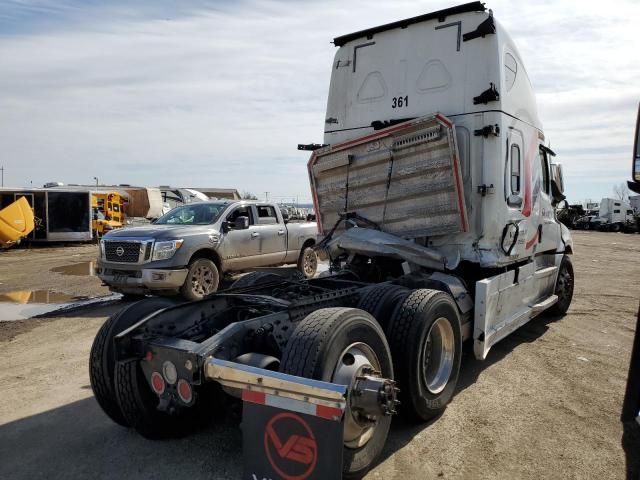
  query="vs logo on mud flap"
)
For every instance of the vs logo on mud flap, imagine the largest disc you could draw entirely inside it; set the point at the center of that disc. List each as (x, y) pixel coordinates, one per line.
(290, 446)
(281, 444)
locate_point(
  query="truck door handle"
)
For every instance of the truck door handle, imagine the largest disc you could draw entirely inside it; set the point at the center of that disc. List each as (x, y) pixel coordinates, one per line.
(255, 234)
(280, 232)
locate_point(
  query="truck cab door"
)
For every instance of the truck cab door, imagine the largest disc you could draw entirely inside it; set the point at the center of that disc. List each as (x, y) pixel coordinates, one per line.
(238, 249)
(270, 235)
(549, 227)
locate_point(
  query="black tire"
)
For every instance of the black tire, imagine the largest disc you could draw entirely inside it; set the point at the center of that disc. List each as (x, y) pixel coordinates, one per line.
(203, 278)
(256, 278)
(313, 352)
(411, 324)
(308, 262)
(131, 297)
(564, 288)
(381, 300)
(138, 405)
(101, 358)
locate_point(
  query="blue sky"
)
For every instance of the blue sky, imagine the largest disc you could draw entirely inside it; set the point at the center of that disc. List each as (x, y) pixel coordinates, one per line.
(219, 93)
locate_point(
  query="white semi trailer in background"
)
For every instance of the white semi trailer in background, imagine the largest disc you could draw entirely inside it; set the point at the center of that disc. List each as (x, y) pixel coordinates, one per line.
(435, 199)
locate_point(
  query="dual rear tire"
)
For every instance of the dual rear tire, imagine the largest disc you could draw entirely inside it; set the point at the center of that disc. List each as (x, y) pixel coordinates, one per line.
(423, 337)
(121, 389)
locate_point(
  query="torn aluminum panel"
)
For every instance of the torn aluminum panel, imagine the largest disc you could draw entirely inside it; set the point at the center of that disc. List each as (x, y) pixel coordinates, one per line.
(374, 243)
(405, 178)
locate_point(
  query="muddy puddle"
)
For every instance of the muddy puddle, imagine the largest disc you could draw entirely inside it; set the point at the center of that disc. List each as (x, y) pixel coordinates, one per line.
(81, 269)
(24, 304)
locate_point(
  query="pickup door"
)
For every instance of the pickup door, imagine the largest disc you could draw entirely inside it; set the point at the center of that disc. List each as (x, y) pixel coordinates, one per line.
(263, 243)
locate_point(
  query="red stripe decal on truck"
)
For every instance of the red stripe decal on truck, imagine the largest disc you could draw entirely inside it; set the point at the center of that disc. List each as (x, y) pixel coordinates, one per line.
(254, 397)
(330, 413)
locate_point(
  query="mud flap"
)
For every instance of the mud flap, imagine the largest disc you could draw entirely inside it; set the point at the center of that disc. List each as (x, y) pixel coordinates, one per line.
(290, 439)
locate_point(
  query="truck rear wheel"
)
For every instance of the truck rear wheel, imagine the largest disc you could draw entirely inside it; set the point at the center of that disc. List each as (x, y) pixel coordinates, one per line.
(336, 345)
(308, 262)
(202, 279)
(139, 406)
(381, 300)
(564, 288)
(102, 357)
(426, 344)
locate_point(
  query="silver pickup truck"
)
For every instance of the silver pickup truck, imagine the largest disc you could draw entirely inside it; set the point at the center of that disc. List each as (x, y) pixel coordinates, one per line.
(190, 248)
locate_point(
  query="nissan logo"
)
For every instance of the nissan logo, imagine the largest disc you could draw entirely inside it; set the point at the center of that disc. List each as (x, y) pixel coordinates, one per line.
(119, 251)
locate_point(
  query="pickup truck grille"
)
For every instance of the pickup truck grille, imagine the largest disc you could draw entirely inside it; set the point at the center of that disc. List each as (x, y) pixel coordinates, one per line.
(123, 252)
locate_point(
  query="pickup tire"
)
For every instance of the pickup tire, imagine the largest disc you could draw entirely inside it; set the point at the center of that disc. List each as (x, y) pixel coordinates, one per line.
(318, 347)
(102, 356)
(564, 288)
(381, 301)
(426, 344)
(202, 279)
(308, 262)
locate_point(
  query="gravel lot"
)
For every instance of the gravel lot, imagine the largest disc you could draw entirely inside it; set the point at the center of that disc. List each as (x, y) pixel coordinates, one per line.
(545, 403)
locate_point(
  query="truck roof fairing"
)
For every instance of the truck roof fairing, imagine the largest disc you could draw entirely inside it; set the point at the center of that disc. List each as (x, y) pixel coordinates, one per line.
(440, 15)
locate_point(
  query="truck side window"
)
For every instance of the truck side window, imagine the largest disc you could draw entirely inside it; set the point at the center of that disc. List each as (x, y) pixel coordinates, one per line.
(240, 212)
(544, 163)
(266, 214)
(515, 169)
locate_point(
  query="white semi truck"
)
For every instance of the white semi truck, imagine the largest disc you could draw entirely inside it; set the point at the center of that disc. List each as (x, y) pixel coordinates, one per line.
(434, 193)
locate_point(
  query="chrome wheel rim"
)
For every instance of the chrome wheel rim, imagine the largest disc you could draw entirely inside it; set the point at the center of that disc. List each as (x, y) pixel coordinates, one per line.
(202, 280)
(438, 355)
(356, 360)
(310, 263)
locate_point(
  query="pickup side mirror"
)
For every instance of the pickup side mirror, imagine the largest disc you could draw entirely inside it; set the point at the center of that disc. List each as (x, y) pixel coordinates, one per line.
(557, 184)
(241, 223)
(225, 227)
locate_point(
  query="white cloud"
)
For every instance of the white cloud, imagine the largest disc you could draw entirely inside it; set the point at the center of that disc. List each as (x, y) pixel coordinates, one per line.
(219, 94)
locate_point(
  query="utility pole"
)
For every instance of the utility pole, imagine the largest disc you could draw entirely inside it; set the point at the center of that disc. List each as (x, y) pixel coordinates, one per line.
(266, 196)
(2, 170)
(96, 179)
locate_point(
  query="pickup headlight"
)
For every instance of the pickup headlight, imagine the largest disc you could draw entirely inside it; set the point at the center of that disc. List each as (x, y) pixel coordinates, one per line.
(101, 249)
(166, 250)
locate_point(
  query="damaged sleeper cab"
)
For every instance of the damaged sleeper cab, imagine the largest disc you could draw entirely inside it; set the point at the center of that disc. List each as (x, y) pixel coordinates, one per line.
(435, 196)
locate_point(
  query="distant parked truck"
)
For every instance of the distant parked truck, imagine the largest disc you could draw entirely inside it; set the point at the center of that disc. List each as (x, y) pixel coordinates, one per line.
(16, 222)
(188, 249)
(615, 215)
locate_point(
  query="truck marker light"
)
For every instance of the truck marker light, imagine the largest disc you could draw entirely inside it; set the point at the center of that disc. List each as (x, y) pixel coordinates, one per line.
(148, 356)
(157, 383)
(184, 391)
(169, 372)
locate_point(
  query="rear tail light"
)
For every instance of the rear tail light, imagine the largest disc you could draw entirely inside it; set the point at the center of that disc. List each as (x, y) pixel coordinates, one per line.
(184, 391)
(157, 383)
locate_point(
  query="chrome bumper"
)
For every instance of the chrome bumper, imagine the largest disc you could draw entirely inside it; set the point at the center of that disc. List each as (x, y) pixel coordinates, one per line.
(141, 280)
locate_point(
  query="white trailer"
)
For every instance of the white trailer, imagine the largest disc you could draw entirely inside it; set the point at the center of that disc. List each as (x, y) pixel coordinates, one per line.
(62, 214)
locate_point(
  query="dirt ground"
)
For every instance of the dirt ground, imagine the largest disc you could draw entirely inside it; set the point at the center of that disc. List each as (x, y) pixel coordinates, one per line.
(545, 403)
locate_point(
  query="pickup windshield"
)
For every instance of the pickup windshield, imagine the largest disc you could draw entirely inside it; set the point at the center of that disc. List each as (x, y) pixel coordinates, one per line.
(192, 214)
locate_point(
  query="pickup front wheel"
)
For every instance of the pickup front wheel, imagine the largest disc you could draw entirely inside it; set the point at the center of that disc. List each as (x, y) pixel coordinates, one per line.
(202, 279)
(308, 262)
